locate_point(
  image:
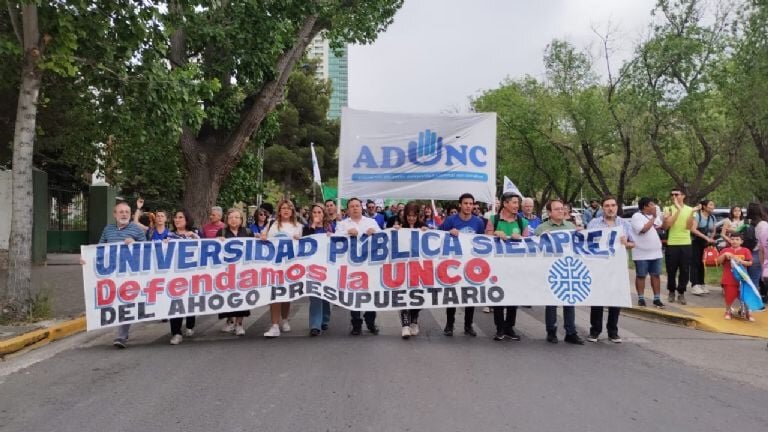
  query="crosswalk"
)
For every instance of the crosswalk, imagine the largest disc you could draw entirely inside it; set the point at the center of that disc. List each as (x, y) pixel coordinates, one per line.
(530, 326)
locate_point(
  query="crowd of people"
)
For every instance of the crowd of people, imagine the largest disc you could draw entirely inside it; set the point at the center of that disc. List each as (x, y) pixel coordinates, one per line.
(687, 230)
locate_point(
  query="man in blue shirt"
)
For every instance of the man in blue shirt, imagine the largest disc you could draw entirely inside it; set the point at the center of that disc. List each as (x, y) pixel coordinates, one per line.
(124, 231)
(527, 212)
(462, 222)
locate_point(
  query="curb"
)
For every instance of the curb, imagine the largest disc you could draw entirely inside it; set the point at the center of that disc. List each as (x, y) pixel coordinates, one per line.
(689, 321)
(42, 336)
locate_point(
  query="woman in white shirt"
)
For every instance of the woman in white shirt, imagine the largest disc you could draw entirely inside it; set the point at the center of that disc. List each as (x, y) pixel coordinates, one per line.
(285, 225)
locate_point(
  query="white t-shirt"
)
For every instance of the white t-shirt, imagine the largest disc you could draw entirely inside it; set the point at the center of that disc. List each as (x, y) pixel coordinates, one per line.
(285, 230)
(647, 244)
(362, 226)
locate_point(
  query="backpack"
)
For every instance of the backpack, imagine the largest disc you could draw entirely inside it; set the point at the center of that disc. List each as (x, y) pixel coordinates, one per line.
(709, 257)
(749, 236)
(496, 223)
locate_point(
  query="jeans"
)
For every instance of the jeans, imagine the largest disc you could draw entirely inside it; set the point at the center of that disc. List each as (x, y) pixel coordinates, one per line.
(122, 332)
(596, 320)
(319, 313)
(569, 319)
(409, 316)
(469, 314)
(678, 259)
(176, 324)
(502, 324)
(369, 316)
(756, 269)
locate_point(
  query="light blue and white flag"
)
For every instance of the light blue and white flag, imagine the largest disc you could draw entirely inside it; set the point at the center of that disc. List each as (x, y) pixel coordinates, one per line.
(315, 166)
(510, 187)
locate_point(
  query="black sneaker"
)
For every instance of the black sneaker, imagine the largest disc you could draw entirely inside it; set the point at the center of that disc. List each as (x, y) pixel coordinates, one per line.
(615, 338)
(510, 334)
(373, 329)
(552, 337)
(314, 332)
(448, 331)
(658, 304)
(574, 339)
(593, 337)
(356, 331)
(119, 343)
(498, 336)
(324, 327)
(469, 331)
(641, 302)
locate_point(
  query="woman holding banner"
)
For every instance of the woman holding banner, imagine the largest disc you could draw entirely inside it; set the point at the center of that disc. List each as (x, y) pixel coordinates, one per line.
(409, 318)
(183, 229)
(286, 225)
(319, 309)
(235, 228)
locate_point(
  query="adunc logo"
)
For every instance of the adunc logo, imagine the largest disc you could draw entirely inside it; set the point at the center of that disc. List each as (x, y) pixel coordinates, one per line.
(570, 280)
(405, 163)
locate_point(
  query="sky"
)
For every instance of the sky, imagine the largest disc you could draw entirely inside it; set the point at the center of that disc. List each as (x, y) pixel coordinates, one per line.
(439, 53)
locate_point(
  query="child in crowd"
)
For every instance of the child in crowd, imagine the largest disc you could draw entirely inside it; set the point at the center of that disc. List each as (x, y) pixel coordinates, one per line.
(739, 254)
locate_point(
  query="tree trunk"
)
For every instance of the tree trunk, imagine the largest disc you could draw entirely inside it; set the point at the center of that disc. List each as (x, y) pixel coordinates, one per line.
(20, 248)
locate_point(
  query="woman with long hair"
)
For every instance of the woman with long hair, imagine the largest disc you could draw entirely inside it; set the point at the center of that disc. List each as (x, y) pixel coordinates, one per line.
(260, 221)
(702, 235)
(410, 218)
(429, 218)
(319, 309)
(286, 225)
(732, 223)
(160, 230)
(183, 229)
(755, 235)
(235, 228)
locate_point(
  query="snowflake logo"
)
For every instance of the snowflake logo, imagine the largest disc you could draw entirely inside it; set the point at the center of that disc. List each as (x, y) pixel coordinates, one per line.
(570, 280)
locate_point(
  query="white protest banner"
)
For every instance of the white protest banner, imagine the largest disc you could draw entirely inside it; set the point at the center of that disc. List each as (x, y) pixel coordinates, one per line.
(417, 156)
(390, 270)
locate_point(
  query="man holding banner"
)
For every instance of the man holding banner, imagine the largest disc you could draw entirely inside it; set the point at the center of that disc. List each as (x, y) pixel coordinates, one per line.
(557, 222)
(463, 222)
(356, 225)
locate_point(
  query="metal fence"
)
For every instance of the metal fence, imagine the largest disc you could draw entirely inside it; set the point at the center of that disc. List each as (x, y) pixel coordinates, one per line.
(67, 210)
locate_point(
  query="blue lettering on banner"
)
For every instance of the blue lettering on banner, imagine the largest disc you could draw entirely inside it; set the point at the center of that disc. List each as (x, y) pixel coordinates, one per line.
(428, 151)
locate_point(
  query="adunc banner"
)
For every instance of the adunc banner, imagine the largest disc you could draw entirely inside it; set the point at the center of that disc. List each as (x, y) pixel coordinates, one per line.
(417, 156)
(390, 270)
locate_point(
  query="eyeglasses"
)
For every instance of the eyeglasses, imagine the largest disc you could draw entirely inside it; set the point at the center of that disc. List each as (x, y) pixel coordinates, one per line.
(675, 194)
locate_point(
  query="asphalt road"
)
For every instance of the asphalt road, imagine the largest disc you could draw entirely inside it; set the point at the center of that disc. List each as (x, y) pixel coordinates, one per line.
(661, 378)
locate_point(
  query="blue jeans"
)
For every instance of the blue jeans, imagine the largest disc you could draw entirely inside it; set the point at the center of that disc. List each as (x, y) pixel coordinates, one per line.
(319, 313)
(569, 319)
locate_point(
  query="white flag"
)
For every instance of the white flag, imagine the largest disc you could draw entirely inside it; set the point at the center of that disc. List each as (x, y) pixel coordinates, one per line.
(510, 187)
(315, 166)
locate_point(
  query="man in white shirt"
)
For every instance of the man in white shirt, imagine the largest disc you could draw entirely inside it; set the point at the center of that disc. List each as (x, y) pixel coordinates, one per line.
(647, 254)
(355, 225)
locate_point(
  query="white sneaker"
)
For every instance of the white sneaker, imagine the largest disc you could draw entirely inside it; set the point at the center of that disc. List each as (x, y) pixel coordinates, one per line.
(285, 326)
(696, 290)
(705, 289)
(176, 339)
(189, 332)
(273, 332)
(406, 333)
(229, 327)
(239, 331)
(486, 309)
(414, 329)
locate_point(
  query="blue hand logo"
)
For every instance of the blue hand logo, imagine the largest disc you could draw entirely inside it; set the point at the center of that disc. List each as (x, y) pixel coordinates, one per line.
(428, 150)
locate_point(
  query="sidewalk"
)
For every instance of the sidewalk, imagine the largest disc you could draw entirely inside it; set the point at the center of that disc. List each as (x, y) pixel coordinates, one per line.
(61, 281)
(704, 312)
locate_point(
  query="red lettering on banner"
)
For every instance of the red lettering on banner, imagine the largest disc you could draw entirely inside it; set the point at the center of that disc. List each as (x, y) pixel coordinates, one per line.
(248, 279)
(421, 274)
(201, 279)
(226, 280)
(177, 287)
(393, 275)
(353, 281)
(317, 272)
(295, 272)
(154, 287)
(105, 292)
(442, 272)
(128, 291)
(477, 270)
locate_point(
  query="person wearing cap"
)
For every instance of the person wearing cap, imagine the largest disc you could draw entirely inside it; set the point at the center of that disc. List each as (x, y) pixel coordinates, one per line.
(507, 224)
